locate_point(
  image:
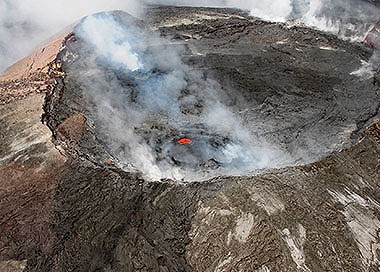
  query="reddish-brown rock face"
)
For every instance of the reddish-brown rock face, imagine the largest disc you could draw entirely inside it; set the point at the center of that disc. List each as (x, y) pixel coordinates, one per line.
(30, 166)
(32, 74)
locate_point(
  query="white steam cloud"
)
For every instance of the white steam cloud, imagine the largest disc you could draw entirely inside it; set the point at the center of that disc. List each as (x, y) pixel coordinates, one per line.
(349, 19)
(105, 41)
(26, 24)
(276, 10)
(139, 106)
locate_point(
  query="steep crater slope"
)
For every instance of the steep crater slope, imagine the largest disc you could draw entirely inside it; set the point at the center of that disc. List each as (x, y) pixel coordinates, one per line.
(229, 95)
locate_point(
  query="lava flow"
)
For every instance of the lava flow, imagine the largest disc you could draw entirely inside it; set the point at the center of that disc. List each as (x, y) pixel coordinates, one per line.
(185, 141)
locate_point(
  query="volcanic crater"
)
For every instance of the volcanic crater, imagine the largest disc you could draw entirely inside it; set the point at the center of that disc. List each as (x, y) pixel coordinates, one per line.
(250, 95)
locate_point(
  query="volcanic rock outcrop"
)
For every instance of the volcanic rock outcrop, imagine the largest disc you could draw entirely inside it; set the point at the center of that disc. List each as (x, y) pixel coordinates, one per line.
(79, 191)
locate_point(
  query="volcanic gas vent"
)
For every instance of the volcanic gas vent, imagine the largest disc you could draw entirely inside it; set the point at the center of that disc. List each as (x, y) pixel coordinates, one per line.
(152, 111)
(195, 148)
(178, 109)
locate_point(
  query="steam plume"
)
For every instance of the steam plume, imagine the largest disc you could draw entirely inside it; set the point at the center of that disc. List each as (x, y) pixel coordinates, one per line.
(349, 19)
(24, 24)
(132, 95)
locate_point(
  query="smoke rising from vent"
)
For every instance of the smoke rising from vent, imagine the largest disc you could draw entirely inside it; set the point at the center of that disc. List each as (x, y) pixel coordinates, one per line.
(145, 102)
(349, 19)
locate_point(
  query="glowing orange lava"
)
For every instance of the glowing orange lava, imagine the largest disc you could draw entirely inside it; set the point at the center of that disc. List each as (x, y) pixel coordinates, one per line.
(185, 141)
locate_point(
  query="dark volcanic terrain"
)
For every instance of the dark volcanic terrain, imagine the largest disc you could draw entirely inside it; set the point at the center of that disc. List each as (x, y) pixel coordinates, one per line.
(300, 194)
